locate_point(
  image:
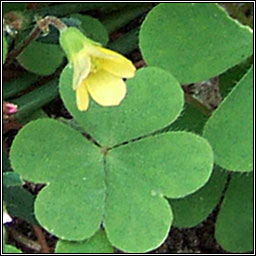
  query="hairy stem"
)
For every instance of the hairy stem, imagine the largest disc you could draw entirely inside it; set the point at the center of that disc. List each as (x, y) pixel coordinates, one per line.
(42, 26)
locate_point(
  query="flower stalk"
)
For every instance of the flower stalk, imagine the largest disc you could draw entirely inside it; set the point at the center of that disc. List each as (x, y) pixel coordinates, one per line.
(42, 26)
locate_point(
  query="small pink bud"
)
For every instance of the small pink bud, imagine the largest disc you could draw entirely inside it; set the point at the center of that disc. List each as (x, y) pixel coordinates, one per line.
(10, 108)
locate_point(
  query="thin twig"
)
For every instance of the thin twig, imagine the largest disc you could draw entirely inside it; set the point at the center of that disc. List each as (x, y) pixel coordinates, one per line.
(14, 53)
(42, 26)
(41, 239)
(140, 64)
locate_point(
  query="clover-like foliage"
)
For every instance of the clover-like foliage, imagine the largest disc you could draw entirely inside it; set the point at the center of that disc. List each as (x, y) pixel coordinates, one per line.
(120, 185)
(230, 128)
(98, 243)
(194, 41)
(234, 225)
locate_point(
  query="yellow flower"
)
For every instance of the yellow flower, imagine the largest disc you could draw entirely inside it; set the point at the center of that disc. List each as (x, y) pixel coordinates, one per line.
(97, 72)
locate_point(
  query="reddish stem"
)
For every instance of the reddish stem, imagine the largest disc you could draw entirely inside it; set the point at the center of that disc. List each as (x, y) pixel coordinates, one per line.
(41, 239)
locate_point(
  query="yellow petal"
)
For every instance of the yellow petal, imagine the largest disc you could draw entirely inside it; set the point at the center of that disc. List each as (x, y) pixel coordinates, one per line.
(81, 67)
(105, 88)
(82, 97)
(117, 64)
(94, 50)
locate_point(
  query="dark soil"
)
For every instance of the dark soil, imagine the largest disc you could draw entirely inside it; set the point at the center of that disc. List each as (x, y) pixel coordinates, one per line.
(192, 240)
(199, 239)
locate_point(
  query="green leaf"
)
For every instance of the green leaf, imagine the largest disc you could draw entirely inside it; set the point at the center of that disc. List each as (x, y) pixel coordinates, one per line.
(5, 48)
(120, 19)
(96, 244)
(17, 85)
(41, 58)
(150, 168)
(92, 28)
(123, 187)
(193, 209)
(7, 7)
(150, 92)
(20, 203)
(72, 169)
(11, 249)
(127, 43)
(39, 113)
(230, 128)
(126, 194)
(73, 124)
(234, 226)
(229, 79)
(6, 163)
(34, 100)
(191, 119)
(194, 41)
(11, 179)
(140, 175)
